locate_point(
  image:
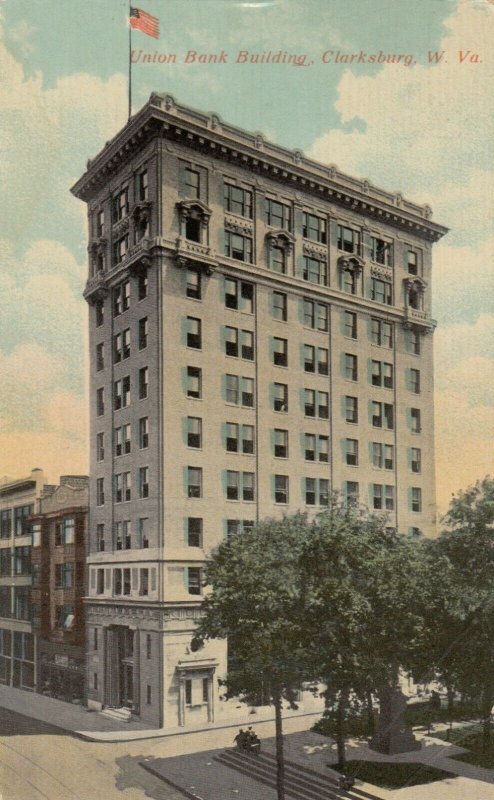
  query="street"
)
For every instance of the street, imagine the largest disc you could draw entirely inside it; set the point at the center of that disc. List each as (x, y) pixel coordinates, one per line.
(42, 761)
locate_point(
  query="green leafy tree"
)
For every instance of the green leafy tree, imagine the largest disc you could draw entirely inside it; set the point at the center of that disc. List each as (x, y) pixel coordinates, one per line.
(464, 628)
(257, 603)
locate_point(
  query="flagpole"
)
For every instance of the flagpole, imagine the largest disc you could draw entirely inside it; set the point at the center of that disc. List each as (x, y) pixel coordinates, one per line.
(130, 62)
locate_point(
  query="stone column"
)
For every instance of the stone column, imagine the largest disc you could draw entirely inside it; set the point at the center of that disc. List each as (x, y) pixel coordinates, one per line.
(181, 698)
(210, 697)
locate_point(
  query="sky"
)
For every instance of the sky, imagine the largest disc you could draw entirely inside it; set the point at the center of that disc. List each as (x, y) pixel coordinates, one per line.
(421, 126)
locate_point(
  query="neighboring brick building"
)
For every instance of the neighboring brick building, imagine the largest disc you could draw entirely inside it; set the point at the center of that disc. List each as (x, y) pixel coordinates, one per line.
(260, 332)
(18, 654)
(58, 563)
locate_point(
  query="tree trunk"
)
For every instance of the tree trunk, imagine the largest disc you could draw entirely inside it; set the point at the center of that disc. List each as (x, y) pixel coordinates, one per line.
(451, 701)
(340, 728)
(370, 714)
(486, 719)
(280, 759)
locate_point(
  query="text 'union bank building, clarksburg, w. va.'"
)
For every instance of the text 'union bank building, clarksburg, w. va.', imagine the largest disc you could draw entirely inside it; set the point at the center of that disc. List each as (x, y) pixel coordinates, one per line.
(260, 334)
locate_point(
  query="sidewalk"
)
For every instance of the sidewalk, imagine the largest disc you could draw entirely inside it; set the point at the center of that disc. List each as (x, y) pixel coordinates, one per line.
(92, 726)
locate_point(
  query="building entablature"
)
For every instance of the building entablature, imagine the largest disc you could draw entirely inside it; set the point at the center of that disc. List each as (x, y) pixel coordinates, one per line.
(163, 118)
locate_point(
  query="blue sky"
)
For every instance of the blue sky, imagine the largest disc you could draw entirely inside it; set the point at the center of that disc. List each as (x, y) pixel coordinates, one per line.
(425, 130)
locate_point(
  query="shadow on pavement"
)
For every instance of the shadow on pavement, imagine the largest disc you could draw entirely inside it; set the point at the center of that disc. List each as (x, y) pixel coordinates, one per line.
(14, 724)
(132, 776)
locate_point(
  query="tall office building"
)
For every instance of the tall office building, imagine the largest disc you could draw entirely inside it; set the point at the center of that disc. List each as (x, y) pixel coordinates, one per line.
(260, 333)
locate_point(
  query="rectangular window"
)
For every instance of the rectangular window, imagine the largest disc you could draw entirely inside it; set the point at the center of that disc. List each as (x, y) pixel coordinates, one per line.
(248, 486)
(232, 485)
(348, 239)
(148, 646)
(143, 532)
(352, 493)
(188, 692)
(100, 491)
(143, 432)
(277, 214)
(232, 389)
(315, 315)
(126, 581)
(194, 379)
(351, 409)
(416, 459)
(279, 306)
(99, 313)
(194, 482)
(309, 358)
(416, 499)
(121, 298)
(100, 446)
(309, 402)
(381, 291)
(281, 489)
(100, 223)
(120, 248)
(381, 333)
(350, 324)
(351, 452)
(412, 262)
(142, 287)
(191, 182)
(143, 333)
(415, 419)
(120, 205)
(122, 487)
(382, 455)
(414, 341)
(143, 482)
(100, 537)
(380, 251)
(247, 395)
(194, 580)
(238, 247)
(389, 498)
(194, 432)
(248, 439)
(382, 415)
(247, 345)
(232, 437)
(310, 491)
(237, 200)
(121, 346)
(314, 228)
(193, 283)
(193, 332)
(415, 381)
(280, 443)
(277, 259)
(323, 405)
(194, 531)
(239, 295)
(143, 382)
(144, 582)
(322, 361)
(280, 352)
(231, 341)
(382, 374)
(315, 271)
(100, 402)
(121, 393)
(280, 397)
(351, 367)
(142, 185)
(122, 440)
(100, 357)
(377, 496)
(232, 528)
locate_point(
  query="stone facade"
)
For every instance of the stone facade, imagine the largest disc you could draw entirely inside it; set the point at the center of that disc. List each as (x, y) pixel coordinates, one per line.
(260, 332)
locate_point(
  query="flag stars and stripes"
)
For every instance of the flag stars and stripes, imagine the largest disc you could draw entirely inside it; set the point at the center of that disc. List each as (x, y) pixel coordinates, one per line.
(142, 21)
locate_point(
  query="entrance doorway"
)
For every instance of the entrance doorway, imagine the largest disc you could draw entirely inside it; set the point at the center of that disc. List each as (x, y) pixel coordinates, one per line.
(120, 667)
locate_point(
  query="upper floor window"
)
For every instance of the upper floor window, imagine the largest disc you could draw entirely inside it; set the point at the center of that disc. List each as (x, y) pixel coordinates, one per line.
(351, 409)
(351, 452)
(120, 248)
(143, 432)
(348, 239)
(122, 440)
(143, 333)
(237, 200)
(280, 352)
(240, 390)
(415, 419)
(280, 443)
(316, 404)
(100, 357)
(279, 308)
(120, 205)
(352, 493)
(351, 367)
(413, 341)
(194, 380)
(240, 485)
(381, 291)
(100, 491)
(142, 287)
(383, 497)
(142, 185)
(100, 223)
(193, 283)
(122, 484)
(121, 346)
(416, 459)
(380, 251)
(278, 215)
(100, 402)
(194, 531)
(193, 332)
(121, 298)
(382, 455)
(99, 313)
(349, 279)
(416, 499)
(239, 438)
(277, 259)
(350, 324)
(143, 482)
(314, 228)
(412, 262)
(382, 415)
(316, 315)
(143, 382)
(281, 489)
(121, 393)
(239, 295)
(414, 381)
(194, 432)
(239, 343)
(238, 247)
(280, 397)
(382, 374)
(194, 481)
(316, 359)
(315, 271)
(21, 514)
(381, 333)
(191, 183)
(316, 447)
(316, 491)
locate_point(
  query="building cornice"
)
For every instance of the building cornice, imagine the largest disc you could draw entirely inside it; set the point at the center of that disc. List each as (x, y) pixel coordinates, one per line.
(207, 133)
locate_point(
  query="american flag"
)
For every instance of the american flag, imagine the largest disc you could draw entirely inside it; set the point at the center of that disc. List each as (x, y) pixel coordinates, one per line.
(144, 22)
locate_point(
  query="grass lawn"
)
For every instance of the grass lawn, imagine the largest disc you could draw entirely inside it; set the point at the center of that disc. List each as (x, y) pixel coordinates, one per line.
(471, 738)
(392, 776)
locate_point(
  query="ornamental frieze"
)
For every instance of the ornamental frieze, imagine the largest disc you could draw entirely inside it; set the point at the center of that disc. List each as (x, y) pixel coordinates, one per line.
(237, 225)
(320, 251)
(122, 226)
(381, 272)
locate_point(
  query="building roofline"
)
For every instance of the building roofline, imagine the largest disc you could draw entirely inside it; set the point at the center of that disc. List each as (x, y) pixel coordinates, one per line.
(162, 116)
